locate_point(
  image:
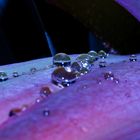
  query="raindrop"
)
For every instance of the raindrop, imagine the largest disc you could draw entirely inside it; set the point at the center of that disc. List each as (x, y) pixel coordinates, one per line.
(61, 59)
(15, 74)
(3, 76)
(133, 58)
(63, 77)
(102, 54)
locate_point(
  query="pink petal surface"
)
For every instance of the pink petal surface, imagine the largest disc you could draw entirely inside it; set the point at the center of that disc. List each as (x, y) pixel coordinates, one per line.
(86, 110)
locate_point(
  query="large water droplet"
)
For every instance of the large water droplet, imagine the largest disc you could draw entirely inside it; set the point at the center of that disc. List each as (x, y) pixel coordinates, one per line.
(133, 58)
(94, 55)
(45, 92)
(61, 59)
(85, 58)
(63, 77)
(102, 54)
(3, 76)
(76, 66)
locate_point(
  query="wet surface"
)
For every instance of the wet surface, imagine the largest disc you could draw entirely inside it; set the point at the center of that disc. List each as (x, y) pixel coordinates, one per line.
(102, 105)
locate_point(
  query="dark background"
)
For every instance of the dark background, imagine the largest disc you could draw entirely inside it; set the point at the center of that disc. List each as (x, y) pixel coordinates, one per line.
(23, 24)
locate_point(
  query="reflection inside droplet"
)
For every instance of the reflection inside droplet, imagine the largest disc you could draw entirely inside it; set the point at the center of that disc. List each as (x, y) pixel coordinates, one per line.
(63, 77)
(61, 59)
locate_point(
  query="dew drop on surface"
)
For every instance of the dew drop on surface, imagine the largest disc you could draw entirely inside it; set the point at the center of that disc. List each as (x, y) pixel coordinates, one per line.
(15, 74)
(46, 112)
(102, 54)
(93, 54)
(14, 112)
(33, 70)
(133, 58)
(38, 100)
(85, 58)
(109, 76)
(61, 59)
(102, 63)
(45, 92)
(3, 76)
(63, 77)
(76, 66)
(117, 81)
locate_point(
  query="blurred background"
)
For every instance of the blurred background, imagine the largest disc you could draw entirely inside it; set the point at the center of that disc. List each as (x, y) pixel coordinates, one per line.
(32, 29)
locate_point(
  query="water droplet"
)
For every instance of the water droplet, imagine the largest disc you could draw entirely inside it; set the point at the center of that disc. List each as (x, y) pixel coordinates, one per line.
(45, 92)
(85, 58)
(24, 107)
(46, 112)
(99, 82)
(14, 112)
(102, 54)
(3, 76)
(109, 76)
(63, 77)
(61, 59)
(38, 100)
(33, 70)
(94, 55)
(133, 58)
(102, 63)
(116, 80)
(15, 74)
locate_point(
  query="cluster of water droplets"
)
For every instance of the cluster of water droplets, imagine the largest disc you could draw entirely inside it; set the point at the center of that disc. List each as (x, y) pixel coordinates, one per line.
(67, 72)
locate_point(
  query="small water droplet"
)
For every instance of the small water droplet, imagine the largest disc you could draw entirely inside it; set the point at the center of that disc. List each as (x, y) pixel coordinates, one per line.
(133, 58)
(24, 107)
(46, 112)
(102, 54)
(61, 59)
(116, 80)
(63, 77)
(33, 70)
(38, 100)
(102, 63)
(109, 76)
(3, 76)
(15, 74)
(94, 55)
(99, 82)
(15, 112)
(45, 92)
